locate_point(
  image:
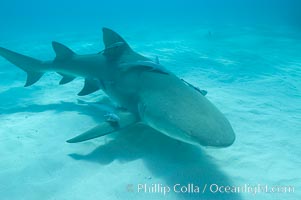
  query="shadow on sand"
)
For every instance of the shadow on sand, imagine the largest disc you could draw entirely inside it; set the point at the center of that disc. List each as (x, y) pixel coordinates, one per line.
(57, 107)
(18, 100)
(167, 159)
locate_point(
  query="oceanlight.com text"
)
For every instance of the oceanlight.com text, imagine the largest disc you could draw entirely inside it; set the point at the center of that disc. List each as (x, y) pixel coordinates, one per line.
(208, 188)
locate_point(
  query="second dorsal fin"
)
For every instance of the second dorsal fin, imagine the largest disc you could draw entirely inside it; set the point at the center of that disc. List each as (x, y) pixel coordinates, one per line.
(62, 52)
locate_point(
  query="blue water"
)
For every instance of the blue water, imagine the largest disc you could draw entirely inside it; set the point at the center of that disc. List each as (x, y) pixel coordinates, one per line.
(246, 54)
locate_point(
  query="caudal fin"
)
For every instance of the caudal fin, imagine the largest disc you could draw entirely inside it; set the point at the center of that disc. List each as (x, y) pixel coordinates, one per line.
(30, 65)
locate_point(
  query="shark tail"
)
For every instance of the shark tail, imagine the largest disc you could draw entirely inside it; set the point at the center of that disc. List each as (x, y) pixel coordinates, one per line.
(32, 66)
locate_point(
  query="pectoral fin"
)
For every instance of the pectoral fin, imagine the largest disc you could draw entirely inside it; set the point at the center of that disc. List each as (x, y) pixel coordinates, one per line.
(126, 119)
(91, 85)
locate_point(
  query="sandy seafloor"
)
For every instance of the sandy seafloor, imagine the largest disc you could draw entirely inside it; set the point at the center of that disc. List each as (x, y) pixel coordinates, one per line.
(251, 74)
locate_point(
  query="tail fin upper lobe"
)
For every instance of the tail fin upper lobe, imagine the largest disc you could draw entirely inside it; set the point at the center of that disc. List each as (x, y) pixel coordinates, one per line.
(31, 66)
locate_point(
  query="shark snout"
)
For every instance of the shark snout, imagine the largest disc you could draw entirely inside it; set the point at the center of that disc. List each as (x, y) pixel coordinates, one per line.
(217, 133)
(224, 138)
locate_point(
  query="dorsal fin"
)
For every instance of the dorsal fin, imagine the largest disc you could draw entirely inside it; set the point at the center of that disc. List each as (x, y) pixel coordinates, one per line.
(62, 52)
(110, 38)
(115, 45)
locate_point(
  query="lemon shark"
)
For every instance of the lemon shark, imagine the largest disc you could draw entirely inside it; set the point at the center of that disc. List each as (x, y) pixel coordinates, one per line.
(145, 91)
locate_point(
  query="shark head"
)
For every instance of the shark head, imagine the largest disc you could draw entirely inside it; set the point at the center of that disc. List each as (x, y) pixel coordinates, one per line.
(211, 129)
(215, 131)
(182, 113)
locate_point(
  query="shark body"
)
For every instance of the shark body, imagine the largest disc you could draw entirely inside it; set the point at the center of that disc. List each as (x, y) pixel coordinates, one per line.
(147, 92)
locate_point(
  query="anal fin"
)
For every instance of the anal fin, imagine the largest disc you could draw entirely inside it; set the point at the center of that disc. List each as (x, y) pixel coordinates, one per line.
(126, 119)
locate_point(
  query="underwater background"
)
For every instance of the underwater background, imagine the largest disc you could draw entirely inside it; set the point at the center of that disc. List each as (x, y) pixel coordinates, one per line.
(245, 53)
